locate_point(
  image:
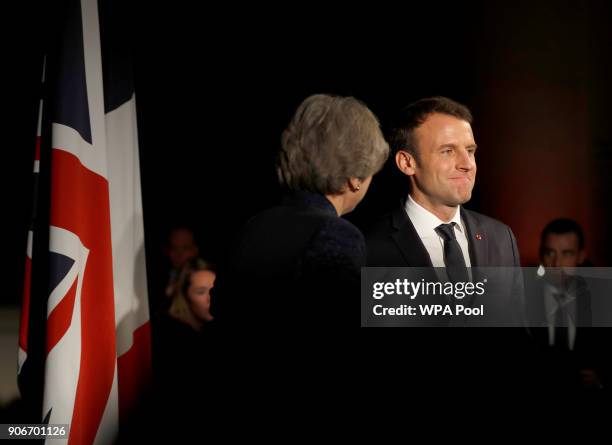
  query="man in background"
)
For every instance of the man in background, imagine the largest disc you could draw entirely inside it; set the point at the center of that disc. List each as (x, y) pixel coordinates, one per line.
(559, 301)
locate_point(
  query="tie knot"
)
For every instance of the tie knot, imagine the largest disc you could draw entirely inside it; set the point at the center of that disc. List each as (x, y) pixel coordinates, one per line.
(446, 231)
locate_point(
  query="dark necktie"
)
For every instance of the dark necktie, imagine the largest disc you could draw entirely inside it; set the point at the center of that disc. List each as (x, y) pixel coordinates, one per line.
(561, 330)
(453, 256)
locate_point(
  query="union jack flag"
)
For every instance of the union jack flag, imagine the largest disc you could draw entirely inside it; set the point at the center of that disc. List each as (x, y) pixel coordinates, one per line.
(97, 353)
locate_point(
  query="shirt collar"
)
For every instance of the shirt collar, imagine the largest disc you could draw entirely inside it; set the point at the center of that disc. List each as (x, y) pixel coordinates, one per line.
(424, 221)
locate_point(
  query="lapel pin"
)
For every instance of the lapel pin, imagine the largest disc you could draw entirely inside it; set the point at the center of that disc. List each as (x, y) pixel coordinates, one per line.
(478, 236)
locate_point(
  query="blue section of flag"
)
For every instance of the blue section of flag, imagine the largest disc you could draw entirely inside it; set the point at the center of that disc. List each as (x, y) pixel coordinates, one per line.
(59, 265)
(116, 63)
(72, 107)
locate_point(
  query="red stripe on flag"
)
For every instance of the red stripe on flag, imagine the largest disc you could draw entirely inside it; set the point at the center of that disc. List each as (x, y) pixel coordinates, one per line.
(134, 372)
(37, 151)
(80, 204)
(25, 308)
(60, 318)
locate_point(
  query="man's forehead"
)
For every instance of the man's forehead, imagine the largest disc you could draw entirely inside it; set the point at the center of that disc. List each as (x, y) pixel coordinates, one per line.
(439, 125)
(567, 240)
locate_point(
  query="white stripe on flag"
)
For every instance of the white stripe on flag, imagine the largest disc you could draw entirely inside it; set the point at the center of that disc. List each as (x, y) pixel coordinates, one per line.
(39, 125)
(30, 245)
(93, 76)
(69, 140)
(21, 358)
(64, 360)
(66, 243)
(130, 278)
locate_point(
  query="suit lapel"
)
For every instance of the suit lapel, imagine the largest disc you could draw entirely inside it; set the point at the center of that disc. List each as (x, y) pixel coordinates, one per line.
(477, 239)
(413, 250)
(408, 241)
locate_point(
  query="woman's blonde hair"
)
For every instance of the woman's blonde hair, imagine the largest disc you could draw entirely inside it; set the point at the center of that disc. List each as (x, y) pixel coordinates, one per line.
(329, 140)
(180, 308)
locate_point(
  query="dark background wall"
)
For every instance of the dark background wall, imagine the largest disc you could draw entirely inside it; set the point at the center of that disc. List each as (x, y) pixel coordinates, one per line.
(215, 89)
(542, 119)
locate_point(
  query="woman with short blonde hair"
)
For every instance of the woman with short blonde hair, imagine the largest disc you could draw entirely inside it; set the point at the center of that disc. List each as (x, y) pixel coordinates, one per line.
(330, 140)
(301, 251)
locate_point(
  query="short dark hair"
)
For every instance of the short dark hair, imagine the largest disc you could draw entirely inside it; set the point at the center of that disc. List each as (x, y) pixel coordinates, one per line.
(561, 226)
(413, 116)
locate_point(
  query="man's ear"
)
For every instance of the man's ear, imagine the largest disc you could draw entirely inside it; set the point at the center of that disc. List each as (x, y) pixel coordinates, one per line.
(405, 162)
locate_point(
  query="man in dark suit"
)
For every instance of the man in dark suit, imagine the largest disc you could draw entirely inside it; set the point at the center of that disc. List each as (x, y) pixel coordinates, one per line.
(434, 147)
(559, 309)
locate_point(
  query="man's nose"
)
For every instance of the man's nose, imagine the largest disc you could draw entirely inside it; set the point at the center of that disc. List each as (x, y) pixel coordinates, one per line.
(465, 161)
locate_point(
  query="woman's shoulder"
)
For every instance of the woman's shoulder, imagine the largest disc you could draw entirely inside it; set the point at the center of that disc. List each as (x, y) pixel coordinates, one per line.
(341, 229)
(169, 327)
(338, 239)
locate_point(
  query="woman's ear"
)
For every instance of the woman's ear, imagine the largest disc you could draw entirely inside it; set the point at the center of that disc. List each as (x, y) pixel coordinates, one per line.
(354, 184)
(405, 162)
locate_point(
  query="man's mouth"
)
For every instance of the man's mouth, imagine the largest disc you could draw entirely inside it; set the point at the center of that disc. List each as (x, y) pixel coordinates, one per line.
(460, 179)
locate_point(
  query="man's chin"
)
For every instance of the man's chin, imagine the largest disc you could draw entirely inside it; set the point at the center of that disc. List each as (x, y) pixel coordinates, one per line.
(459, 200)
